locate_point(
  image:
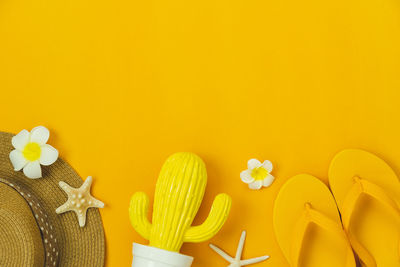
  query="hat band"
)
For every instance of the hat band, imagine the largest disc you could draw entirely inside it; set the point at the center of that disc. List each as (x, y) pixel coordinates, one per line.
(46, 228)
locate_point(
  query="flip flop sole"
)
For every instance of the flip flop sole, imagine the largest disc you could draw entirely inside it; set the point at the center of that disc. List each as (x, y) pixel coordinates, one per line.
(372, 224)
(319, 247)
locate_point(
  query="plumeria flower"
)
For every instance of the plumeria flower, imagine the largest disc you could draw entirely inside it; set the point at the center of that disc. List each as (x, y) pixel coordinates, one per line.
(258, 174)
(31, 151)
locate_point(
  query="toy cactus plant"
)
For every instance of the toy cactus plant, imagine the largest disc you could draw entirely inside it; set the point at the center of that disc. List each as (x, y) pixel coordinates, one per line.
(179, 192)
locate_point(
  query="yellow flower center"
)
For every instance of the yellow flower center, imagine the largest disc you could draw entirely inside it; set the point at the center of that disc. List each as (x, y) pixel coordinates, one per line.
(32, 151)
(259, 173)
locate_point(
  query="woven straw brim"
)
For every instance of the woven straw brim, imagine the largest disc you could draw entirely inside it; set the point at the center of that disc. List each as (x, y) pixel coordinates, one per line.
(78, 247)
(20, 239)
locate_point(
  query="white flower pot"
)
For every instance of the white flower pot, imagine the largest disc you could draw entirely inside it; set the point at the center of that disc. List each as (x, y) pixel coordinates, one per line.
(146, 256)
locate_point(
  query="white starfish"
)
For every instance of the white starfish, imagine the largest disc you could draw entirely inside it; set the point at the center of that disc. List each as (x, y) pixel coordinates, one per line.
(79, 200)
(237, 262)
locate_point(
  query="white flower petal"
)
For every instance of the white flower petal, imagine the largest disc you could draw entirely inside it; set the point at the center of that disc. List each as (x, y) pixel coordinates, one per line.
(246, 177)
(253, 163)
(268, 180)
(32, 170)
(40, 135)
(48, 155)
(20, 140)
(17, 160)
(267, 165)
(256, 185)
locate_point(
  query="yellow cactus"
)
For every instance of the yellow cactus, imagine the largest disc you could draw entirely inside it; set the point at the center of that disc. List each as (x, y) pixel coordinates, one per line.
(179, 192)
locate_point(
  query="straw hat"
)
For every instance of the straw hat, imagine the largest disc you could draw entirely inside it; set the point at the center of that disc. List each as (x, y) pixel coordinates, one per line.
(31, 233)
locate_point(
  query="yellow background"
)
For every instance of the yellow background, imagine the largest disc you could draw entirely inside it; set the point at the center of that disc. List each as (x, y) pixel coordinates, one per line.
(123, 84)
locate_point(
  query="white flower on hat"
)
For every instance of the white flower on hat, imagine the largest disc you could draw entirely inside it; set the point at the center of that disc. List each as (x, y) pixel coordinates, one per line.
(31, 151)
(257, 174)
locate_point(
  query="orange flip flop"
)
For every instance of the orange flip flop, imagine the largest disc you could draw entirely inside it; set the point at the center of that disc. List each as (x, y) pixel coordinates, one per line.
(307, 225)
(367, 192)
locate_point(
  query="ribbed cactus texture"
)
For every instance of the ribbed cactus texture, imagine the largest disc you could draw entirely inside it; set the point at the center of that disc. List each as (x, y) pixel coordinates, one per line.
(179, 192)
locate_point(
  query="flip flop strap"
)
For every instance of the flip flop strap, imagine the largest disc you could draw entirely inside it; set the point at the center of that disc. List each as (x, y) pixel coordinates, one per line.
(308, 217)
(359, 188)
